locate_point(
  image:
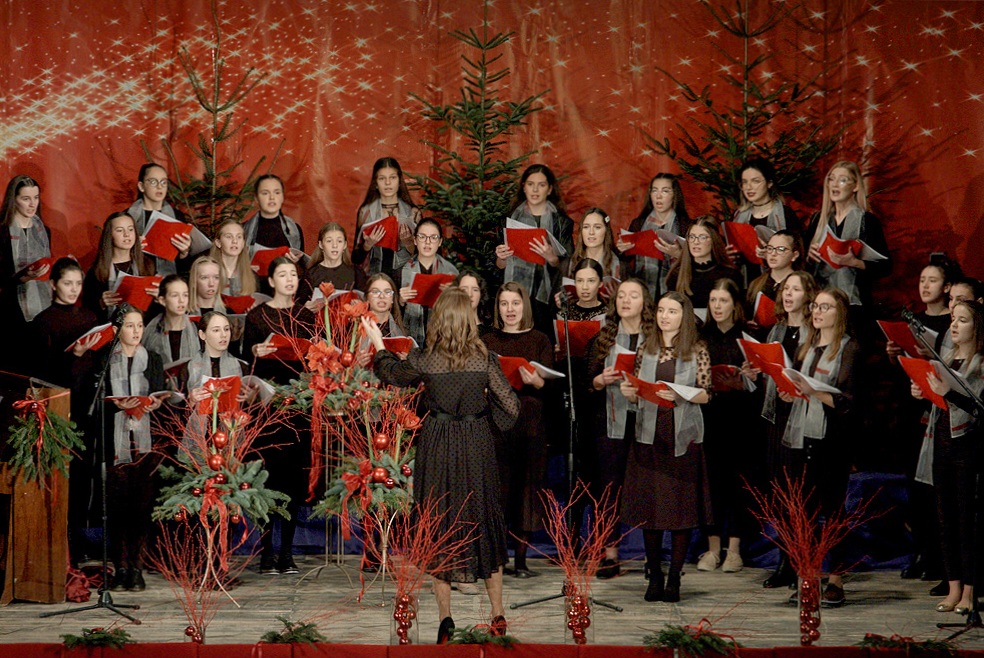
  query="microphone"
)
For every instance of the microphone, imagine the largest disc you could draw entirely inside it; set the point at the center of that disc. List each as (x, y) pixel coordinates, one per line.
(910, 317)
(565, 299)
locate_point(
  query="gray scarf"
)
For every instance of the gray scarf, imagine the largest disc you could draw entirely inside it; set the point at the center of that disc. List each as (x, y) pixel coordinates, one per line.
(123, 383)
(653, 270)
(807, 417)
(616, 404)
(155, 339)
(776, 335)
(404, 215)
(413, 314)
(844, 278)
(688, 421)
(164, 267)
(28, 246)
(776, 219)
(287, 225)
(199, 368)
(519, 270)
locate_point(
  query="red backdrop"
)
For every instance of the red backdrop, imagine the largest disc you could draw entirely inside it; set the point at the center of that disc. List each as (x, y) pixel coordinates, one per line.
(86, 82)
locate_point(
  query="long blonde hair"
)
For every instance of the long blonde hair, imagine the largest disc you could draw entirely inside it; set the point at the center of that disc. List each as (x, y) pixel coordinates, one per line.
(452, 331)
(193, 303)
(860, 194)
(247, 280)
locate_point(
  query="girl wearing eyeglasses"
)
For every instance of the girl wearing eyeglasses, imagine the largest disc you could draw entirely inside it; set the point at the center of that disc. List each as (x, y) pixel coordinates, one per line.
(428, 236)
(796, 292)
(844, 213)
(783, 255)
(387, 196)
(821, 429)
(152, 188)
(664, 209)
(539, 205)
(703, 262)
(950, 457)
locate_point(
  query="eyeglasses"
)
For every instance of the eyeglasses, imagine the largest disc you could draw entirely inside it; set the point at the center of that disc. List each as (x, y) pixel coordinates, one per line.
(823, 308)
(154, 182)
(428, 238)
(380, 293)
(776, 250)
(698, 237)
(843, 180)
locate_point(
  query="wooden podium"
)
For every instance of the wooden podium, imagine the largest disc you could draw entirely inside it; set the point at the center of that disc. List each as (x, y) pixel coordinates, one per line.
(36, 559)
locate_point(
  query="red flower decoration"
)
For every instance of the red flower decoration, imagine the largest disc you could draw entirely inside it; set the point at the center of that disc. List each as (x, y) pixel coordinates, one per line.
(322, 358)
(355, 309)
(407, 419)
(323, 385)
(235, 418)
(217, 386)
(327, 289)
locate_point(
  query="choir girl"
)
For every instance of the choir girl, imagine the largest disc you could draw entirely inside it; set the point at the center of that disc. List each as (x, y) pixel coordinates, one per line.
(236, 277)
(951, 452)
(730, 458)
(285, 449)
(702, 263)
(473, 283)
(171, 334)
(26, 240)
(538, 205)
(523, 454)
(204, 279)
(119, 253)
(666, 485)
(821, 430)
(588, 275)
(152, 187)
(665, 209)
(468, 400)
(269, 226)
(630, 318)
(783, 255)
(595, 241)
(214, 360)
(331, 262)
(761, 202)
(387, 196)
(427, 260)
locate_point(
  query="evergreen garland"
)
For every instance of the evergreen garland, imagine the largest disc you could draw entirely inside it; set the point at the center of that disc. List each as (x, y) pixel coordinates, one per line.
(691, 640)
(42, 442)
(294, 633)
(114, 638)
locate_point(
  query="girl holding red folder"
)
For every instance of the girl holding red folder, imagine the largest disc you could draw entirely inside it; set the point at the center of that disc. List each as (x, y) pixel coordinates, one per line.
(236, 277)
(523, 453)
(152, 188)
(761, 202)
(387, 196)
(702, 263)
(665, 209)
(26, 241)
(822, 426)
(666, 487)
(428, 236)
(630, 318)
(783, 255)
(119, 252)
(951, 454)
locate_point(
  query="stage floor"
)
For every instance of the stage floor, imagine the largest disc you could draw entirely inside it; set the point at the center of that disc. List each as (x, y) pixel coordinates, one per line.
(736, 604)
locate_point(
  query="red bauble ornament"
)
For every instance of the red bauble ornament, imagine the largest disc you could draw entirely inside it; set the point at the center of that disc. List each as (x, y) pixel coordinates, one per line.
(220, 478)
(346, 359)
(234, 519)
(216, 462)
(353, 403)
(379, 474)
(198, 638)
(244, 486)
(406, 470)
(196, 492)
(190, 631)
(180, 516)
(389, 483)
(381, 441)
(220, 440)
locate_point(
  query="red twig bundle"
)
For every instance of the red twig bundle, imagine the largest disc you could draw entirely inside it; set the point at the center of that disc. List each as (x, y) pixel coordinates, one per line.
(795, 519)
(186, 555)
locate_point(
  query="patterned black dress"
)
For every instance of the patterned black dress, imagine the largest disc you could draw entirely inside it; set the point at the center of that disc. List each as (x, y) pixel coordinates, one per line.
(456, 458)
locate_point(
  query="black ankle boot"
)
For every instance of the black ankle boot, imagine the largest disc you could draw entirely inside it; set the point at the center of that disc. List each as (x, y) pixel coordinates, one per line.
(655, 591)
(671, 593)
(783, 576)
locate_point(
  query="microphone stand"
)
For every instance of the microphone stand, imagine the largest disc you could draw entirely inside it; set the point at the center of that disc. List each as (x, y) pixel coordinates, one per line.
(974, 616)
(105, 598)
(571, 438)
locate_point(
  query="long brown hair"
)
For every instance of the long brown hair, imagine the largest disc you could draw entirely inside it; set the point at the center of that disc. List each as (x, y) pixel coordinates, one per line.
(686, 340)
(841, 304)
(402, 192)
(395, 309)
(104, 258)
(730, 287)
(247, 279)
(193, 302)
(796, 244)
(977, 315)
(16, 184)
(609, 244)
(810, 290)
(606, 337)
(684, 268)
(317, 256)
(452, 331)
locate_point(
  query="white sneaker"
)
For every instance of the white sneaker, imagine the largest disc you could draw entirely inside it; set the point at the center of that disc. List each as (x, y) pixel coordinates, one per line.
(469, 589)
(708, 562)
(732, 563)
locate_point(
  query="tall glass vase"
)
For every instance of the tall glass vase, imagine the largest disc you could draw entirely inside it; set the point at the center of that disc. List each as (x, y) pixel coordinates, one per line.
(577, 617)
(809, 610)
(404, 628)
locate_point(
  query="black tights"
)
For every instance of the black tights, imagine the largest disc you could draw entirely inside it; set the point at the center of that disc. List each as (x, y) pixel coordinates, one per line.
(679, 542)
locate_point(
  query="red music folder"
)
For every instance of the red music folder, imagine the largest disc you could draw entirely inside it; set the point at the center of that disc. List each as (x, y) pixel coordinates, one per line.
(288, 348)
(919, 371)
(391, 228)
(744, 238)
(582, 331)
(263, 256)
(511, 365)
(133, 289)
(229, 387)
(765, 310)
(159, 232)
(643, 244)
(428, 287)
(105, 333)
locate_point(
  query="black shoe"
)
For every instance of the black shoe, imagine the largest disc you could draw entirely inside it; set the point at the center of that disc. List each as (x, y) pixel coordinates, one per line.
(942, 589)
(135, 581)
(833, 596)
(608, 569)
(655, 591)
(286, 565)
(523, 573)
(268, 565)
(783, 576)
(915, 570)
(444, 631)
(120, 578)
(671, 592)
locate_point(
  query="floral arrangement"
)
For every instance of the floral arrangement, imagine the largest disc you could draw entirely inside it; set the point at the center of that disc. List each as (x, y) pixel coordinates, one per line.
(115, 638)
(911, 646)
(689, 640)
(294, 632)
(42, 442)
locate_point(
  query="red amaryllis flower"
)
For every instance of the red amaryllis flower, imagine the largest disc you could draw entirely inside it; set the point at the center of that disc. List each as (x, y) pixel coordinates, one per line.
(407, 419)
(321, 357)
(235, 418)
(323, 385)
(327, 289)
(354, 309)
(217, 386)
